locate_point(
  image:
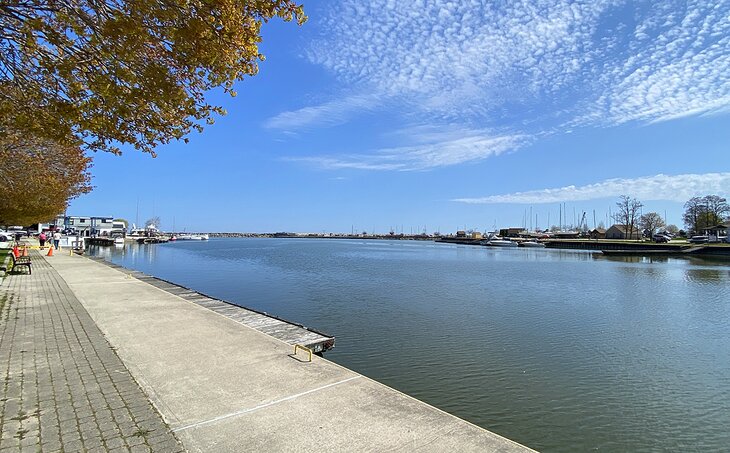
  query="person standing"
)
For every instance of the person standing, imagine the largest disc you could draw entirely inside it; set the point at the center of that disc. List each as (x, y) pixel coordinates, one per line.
(42, 239)
(56, 239)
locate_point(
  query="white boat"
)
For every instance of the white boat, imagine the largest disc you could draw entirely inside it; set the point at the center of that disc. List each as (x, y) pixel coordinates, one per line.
(192, 237)
(533, 244)
(119, 241)
(501, 243)
(146, 232)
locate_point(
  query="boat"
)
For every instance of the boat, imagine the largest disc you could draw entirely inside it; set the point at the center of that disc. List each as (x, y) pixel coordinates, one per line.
(119, 240)
(532, 244)
(192, 237)
(152, 240)
(496, 242)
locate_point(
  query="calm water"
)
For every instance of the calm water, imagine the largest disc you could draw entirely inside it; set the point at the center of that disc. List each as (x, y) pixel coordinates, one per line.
(559, 350)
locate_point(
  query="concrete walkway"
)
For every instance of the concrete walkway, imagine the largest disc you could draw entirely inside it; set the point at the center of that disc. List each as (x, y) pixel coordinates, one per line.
(63, 386)
(222, 386)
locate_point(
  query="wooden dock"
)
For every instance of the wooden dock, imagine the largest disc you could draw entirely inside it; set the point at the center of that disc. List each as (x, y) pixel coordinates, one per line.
(103, 241)
(287, 331)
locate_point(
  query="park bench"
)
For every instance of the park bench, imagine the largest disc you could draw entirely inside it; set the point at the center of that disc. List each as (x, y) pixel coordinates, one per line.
(21, 261)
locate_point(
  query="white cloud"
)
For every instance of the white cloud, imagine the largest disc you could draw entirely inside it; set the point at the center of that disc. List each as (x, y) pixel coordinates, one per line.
(326, 114)
(660, 187)
(431, 149)
(674, 67)
(527, 67)
(458, 58)
(596, 61)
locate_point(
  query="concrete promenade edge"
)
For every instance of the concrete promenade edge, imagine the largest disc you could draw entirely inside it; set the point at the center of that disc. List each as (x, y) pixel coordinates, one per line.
(222, 386)
(63, 386)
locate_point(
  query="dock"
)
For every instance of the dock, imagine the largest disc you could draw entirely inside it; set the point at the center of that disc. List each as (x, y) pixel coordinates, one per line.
(286, 331)
(102, 241)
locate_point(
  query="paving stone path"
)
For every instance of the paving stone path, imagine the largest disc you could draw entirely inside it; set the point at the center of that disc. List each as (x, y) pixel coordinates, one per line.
(63, 388)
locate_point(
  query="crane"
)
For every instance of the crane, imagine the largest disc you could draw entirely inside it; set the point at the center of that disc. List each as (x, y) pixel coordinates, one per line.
(583, 225)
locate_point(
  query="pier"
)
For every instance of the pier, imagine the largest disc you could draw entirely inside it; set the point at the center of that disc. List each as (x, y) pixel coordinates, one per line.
(220, 385)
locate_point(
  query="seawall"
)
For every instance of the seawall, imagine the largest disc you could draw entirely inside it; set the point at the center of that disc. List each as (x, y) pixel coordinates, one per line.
(222, 386)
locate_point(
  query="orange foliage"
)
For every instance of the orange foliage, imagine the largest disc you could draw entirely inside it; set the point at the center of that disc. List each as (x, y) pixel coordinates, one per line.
(132, 72)
(38, 177)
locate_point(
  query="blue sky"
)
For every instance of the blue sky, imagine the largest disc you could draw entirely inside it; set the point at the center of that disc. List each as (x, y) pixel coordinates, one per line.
(446, 115)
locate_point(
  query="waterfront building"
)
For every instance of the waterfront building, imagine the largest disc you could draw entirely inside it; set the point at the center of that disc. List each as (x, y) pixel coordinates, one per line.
(718, 231)
(598, 233)
(512, 232)
(618, 231)
(87, 226)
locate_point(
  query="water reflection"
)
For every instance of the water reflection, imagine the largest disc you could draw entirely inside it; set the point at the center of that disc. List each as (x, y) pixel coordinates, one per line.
(700, 275)
(706, 260)
(634, 258)
(130, 252)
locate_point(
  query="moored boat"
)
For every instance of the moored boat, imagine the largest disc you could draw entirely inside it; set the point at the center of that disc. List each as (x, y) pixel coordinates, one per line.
(501, 243)
(532, 244)
(192, 237)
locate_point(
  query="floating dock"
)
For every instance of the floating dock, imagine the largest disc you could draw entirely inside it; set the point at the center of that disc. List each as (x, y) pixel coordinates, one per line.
(279, 328)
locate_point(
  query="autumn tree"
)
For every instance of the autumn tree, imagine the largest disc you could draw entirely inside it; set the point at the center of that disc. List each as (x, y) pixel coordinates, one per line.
(100, 73)
(651, 222)
(704, 212)
(38, 177)
(628, 214)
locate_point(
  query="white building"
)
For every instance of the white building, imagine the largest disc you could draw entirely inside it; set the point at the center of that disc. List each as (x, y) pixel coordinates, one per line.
(87, 226)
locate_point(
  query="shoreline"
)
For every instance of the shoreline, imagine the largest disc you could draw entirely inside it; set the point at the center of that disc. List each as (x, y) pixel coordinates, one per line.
(219, 396)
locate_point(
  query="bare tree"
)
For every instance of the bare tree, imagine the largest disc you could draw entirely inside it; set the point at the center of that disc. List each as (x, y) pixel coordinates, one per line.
(627, 214)
(674, 229)
(153, 222)
(651, 221)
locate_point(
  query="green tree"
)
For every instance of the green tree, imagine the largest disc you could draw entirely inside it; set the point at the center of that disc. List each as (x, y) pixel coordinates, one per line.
(98, 74)
(704, 212)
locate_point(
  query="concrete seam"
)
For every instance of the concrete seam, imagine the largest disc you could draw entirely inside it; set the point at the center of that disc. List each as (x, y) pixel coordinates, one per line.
(262, 406)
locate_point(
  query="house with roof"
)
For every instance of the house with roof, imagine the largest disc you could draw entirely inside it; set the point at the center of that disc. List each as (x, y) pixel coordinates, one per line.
(718, 231)
(619, 231)
(598, 233)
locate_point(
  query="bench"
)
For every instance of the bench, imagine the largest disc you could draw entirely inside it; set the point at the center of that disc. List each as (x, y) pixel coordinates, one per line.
(21, 261)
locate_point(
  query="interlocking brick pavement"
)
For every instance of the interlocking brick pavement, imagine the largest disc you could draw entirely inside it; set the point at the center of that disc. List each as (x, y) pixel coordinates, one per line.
(63, 386)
